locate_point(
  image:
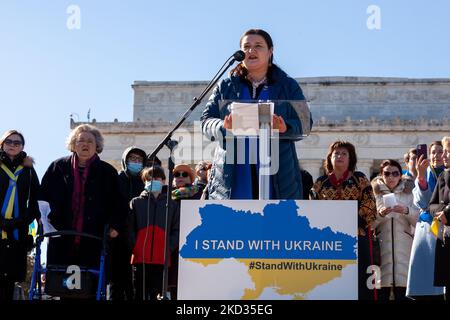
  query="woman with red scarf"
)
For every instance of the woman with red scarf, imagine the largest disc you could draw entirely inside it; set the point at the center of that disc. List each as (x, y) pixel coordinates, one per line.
(83, 194)
(342, 182)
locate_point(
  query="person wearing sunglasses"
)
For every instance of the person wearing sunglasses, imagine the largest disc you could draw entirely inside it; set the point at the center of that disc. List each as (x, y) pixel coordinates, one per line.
(183, 189)
(394, 228)
(183, 183)
(19, 187)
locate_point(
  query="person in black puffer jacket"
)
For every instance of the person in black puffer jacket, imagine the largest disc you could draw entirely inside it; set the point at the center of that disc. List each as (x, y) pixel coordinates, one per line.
(19, 187)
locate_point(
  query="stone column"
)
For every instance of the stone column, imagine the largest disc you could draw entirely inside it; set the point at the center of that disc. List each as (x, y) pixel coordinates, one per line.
(365, 165)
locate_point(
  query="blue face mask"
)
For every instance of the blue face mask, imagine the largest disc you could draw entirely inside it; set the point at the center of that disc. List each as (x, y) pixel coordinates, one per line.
(134, 167)
(153, 186)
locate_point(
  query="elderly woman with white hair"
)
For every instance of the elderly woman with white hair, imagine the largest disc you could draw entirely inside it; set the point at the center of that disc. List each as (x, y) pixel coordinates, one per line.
(83, 194)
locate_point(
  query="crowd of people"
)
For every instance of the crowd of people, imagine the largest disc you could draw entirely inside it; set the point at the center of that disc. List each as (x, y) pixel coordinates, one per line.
(87, 195)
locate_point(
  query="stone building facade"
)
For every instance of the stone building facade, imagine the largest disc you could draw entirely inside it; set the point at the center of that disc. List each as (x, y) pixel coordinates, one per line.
(382, 117)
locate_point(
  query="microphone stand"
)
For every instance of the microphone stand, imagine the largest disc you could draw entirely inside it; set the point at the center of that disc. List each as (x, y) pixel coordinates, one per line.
(170, 144)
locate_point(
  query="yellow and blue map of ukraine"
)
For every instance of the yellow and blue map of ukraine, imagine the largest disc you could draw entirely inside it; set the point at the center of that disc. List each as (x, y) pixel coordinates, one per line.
(278, 246)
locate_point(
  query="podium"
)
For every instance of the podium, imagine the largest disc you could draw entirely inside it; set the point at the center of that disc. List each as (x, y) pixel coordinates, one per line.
(253, 118)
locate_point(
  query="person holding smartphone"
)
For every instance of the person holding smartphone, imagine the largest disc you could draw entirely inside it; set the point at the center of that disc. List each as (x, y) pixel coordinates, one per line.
(440, 208)
(421, 268)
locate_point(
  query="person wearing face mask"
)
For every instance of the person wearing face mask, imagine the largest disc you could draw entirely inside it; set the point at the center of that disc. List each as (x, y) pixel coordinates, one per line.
(147, 237)
(131, 186)
(19, 186)
(393, 227)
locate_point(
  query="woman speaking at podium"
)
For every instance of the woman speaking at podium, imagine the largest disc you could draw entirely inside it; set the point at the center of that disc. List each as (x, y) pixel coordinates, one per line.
(255, 78)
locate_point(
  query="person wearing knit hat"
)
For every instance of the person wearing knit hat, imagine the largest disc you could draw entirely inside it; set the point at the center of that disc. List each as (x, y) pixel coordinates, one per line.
(181, 172)
(183, 189)
(183, 179)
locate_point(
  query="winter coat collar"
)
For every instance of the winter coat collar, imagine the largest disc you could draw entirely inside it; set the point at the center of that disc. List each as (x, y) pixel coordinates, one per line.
(12, 165)
(406, 186)
(145, 193)
(276, 78)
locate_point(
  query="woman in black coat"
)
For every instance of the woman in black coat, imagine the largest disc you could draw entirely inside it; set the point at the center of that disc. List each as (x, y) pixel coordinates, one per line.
(83, 194)
(19, 187)
(440, 208)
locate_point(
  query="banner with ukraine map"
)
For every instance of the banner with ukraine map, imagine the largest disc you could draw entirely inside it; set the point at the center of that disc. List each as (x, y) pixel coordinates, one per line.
(255, 249)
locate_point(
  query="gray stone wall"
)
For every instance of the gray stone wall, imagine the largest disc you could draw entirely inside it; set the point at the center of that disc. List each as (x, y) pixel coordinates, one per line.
(383, 117)
(330, 99)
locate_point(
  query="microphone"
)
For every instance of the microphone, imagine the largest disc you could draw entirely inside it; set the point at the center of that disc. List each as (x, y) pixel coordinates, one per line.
(239, 55)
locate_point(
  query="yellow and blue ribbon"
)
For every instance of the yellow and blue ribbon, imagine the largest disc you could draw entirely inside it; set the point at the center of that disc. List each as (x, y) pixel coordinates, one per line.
(11, 202)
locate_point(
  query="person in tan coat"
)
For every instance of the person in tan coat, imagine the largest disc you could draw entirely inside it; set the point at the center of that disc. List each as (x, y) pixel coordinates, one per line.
(394, 227)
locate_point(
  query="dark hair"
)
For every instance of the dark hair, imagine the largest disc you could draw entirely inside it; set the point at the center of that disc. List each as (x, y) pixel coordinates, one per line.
(9, 133)
(434, 143)
(153, 161)
(152, 172)
(351, 152)
(406, 155)
(240, 70)
(139, 152)
(390, 162)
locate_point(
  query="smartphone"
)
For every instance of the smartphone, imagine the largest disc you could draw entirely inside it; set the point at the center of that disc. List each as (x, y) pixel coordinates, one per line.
(421, 150)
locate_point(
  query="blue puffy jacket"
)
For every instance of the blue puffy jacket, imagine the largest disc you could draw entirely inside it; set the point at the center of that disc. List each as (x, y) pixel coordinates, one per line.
(286, 182)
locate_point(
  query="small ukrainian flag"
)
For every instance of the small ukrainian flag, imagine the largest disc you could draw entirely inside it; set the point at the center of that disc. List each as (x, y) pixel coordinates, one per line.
(32, 228)
(434, 228)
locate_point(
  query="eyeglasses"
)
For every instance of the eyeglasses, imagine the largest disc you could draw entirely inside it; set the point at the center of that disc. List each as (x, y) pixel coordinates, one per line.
(85, 141)
(339, 154)
(135, 158)
(15, 143)
(181, 174)
(395, 174)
